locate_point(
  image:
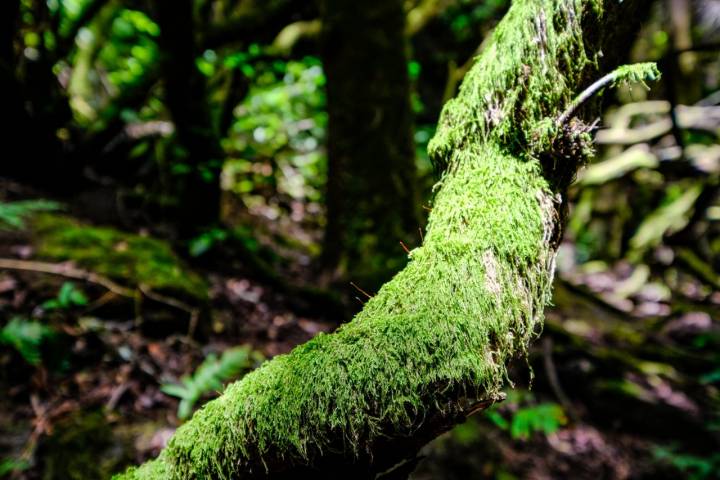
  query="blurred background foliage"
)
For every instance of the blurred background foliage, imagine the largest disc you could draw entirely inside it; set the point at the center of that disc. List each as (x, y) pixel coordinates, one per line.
(176, 182)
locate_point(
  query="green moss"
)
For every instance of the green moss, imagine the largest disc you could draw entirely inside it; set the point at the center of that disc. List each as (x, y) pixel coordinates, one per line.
(529, 73)
(81, 447)
(133, 259)
(636, 73)
(471, 298)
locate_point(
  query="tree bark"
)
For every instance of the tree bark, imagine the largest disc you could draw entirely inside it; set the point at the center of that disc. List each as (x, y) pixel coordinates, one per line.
(432, 346)
(186, 99)
(372, 198)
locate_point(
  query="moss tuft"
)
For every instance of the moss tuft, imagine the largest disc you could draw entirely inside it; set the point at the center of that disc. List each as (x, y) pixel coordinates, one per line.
(131, 258)
(529, 73)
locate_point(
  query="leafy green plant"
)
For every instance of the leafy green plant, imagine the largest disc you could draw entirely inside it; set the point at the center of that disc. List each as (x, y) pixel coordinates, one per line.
(526, 421)
(207, 240)
(546, 418)
(210, 376)
(9, 466)
(693, 467)
(14, 214)
(27, 337)
(69, 296)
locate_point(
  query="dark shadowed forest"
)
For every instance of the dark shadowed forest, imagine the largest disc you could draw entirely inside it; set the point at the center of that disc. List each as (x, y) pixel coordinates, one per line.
(425, 239)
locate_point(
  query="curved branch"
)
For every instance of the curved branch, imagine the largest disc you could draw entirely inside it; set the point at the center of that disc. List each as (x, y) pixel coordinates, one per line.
(631, 73)
(433, 344)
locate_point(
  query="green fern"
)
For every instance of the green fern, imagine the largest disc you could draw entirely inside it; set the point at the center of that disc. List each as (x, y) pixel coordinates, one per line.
(546, 418)
(13, 214)
(69, 296)
(27, 337)
(693, 467)
(526, 421)
(10, 466)
(210, 376)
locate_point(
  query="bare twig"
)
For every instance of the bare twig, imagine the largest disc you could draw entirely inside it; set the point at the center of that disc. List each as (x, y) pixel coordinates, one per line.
(555, 381)
(637, 72)
(67, 270)
(173, 302)
(361, 290)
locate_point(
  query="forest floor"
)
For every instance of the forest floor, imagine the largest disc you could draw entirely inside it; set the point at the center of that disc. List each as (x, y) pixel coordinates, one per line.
(625, 375)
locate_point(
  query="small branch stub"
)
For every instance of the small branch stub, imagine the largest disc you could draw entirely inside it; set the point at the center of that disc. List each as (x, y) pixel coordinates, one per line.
(635, 73)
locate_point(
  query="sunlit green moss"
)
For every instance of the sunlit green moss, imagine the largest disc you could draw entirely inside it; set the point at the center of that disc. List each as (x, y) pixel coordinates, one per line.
(470, 298)
(135, 259)
(529, 74)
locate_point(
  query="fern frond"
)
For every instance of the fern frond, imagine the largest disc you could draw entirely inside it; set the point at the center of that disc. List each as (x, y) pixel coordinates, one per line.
(210, 376)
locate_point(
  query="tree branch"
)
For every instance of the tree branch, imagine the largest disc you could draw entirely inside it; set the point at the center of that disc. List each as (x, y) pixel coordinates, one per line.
(434, 343)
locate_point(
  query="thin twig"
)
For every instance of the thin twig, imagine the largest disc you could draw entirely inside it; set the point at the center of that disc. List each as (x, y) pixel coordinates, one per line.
(194, 313)
(173, 302)
(484, 404)
(361, 290)
(68, 271)
(638, 72)
(555, 380)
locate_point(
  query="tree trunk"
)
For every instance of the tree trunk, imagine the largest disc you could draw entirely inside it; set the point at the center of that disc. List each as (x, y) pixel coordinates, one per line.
(39, 150)
(14, 133)
(34, 105)
(186, 99)
(432, 346)
(371, 193)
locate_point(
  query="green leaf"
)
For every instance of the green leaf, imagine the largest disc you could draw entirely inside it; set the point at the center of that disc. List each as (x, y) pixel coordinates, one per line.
(711, 377)
(26, 336)
(174, 390)
(13, 214)
(546, 418)
(496, 418)
(69, 296)
(12, 465)
(668, 218)
(209, 377)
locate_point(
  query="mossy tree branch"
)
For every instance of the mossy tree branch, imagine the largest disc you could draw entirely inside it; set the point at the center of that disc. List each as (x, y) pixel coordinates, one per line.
(433, 344)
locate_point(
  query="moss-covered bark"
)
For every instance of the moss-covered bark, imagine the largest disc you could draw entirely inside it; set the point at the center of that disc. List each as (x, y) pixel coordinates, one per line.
(435, 340)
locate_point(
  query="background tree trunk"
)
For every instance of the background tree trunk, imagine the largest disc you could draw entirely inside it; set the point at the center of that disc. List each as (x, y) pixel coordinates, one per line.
(432, 346)
(371, 191)
(14, 133)
(186, 99)
(36, 108)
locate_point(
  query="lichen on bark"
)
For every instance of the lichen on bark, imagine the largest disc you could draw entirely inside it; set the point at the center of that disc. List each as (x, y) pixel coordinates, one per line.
(437, 338)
